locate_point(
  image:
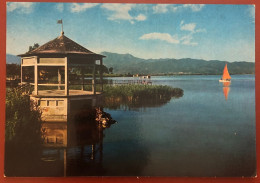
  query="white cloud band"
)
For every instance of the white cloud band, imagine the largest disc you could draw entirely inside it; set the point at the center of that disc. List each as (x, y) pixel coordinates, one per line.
(160, 36)
(21, 7)
(76, 7)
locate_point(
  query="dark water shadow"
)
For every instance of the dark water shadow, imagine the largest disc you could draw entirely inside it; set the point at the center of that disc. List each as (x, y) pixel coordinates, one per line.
(71, 148)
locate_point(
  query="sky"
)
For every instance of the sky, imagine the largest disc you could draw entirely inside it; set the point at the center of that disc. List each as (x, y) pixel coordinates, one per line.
(200, 31)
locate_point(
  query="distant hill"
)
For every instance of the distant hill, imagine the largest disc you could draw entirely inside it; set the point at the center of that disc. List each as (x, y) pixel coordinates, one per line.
(126, 63)
(12, 59)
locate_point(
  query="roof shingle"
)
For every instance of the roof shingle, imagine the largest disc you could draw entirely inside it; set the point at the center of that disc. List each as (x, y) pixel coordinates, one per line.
(61, 45)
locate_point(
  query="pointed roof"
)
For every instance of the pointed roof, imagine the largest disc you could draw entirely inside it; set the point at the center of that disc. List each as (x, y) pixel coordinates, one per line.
(61, 45)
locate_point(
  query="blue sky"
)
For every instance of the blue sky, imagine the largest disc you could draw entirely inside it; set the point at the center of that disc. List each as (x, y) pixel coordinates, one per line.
(223, 32)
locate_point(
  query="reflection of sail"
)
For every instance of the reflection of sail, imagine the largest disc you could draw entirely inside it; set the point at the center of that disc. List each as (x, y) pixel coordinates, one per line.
(226, 84)
(226, 89)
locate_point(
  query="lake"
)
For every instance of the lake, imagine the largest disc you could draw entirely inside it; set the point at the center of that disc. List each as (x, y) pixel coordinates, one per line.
(199, 134)
(209, 131)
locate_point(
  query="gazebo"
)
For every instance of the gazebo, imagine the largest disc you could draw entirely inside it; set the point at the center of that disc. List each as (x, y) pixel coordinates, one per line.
(60, 71)
(63, 56)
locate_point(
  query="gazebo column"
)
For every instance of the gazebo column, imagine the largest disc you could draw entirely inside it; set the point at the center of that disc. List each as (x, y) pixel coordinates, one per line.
(59, 79)
(82, 75)
(21, 73)
(101, 74)
(36, 77)
(66, 76)
(94, 79)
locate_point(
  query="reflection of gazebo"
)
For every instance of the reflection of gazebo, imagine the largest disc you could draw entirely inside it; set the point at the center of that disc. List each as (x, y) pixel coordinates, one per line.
(60, 71)
(52, 66)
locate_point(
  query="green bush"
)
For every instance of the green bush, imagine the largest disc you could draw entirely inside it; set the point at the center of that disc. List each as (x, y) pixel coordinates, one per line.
(23, 118)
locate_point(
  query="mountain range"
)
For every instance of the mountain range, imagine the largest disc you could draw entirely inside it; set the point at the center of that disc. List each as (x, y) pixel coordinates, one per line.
(127, 63)
(12, 59)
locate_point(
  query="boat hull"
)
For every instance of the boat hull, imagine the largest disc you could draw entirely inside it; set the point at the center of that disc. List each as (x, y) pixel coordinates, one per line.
(224, 81)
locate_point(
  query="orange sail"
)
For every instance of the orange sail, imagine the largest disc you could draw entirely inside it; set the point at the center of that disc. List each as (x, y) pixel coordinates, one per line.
(225, 75)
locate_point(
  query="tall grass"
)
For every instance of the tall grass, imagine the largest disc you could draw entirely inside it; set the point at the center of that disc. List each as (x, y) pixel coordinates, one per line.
(139, 95)
(23, 118)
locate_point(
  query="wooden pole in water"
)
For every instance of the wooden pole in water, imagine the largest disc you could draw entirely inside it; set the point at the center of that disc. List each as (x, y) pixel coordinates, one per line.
(65, 162)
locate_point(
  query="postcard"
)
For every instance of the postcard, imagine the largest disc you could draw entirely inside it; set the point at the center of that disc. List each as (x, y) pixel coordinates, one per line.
(118, 89)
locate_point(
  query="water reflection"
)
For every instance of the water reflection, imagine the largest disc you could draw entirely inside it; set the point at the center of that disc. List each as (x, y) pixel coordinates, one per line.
(226, 89)
(135, 103)
(70, 147)
(73, 144)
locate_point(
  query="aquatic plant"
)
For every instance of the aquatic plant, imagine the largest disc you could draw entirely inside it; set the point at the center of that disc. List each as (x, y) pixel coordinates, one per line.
(139, 95)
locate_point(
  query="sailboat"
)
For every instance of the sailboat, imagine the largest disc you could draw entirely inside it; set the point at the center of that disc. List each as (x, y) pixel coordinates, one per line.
(225, 77)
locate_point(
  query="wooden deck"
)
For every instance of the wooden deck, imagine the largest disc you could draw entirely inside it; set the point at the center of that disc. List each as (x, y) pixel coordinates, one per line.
(61, 93)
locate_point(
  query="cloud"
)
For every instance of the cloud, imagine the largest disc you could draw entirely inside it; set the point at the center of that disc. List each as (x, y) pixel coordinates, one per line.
(200, 30)
(164, 8)
(21, 7)
(184, 39)
(160, 8)
(60, 7)
(77, 7)
(187, 40)
(121, 12)
(188, 27)
(140, 17)
(175, 8)
(191, 27)
(194, 7)
(160, 36)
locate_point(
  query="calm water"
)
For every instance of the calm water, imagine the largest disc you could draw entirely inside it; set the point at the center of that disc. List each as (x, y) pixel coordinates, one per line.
(199, 134)
(209, 131)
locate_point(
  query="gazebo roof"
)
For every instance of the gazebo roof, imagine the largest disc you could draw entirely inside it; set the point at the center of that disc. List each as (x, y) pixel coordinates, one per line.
(61, 45)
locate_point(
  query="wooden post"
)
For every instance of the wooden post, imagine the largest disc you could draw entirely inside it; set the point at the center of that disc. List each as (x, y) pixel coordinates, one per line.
(94, 79)
(65, 162)
(36, 77)
(93, 149)
(101, 74)
(82, 75)
(59, 78)
(66, 77)
(21, 74)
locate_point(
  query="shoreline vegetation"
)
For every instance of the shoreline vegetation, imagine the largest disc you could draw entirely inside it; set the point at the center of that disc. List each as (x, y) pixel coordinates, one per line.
(135, 96)
(21, 112)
